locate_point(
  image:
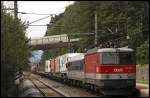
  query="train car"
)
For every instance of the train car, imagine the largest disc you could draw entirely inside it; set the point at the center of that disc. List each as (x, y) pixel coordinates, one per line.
(34, 69)
(58, 64)
(63, 60)
(57, 67)
(75, 69)
(112, 70)
(53, 65)
(47, 66)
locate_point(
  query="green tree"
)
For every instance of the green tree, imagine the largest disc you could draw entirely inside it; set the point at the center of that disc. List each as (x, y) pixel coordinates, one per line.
(14, 50)
(143, 53)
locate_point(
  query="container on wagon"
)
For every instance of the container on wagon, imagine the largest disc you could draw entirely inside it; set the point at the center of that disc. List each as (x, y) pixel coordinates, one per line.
(47, 66)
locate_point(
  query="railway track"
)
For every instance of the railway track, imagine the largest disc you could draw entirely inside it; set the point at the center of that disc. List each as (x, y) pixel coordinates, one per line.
(98, 94)
(45, 89)
(65, 90)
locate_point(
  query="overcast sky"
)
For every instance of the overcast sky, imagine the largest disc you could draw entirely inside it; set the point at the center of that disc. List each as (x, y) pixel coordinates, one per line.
(42, 7)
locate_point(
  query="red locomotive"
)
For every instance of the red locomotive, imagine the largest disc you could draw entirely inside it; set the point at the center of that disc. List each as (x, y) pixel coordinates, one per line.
(112, 70)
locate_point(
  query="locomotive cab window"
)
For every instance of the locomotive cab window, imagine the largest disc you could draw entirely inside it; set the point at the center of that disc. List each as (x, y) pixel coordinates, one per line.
(118, 58)
(109, 58)
(126, 58)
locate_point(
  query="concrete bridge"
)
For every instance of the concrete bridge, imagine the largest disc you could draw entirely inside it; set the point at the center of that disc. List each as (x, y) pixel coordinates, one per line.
(51, 42)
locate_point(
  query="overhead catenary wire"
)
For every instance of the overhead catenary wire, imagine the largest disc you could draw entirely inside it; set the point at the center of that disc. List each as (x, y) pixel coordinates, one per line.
(49, 15)
(38, 20)
(37, 25)
(35, 13)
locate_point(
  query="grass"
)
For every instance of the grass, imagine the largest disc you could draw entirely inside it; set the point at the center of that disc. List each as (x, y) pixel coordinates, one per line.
(142, 81)
(142, 66)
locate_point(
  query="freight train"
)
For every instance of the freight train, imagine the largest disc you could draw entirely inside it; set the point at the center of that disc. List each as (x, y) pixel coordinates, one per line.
(112, 71)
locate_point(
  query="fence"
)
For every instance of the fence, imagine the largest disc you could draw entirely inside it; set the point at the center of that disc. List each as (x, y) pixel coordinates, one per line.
(142, 73)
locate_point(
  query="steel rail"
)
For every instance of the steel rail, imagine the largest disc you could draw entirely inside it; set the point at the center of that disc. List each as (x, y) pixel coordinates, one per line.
(38, 88)
(47, 87)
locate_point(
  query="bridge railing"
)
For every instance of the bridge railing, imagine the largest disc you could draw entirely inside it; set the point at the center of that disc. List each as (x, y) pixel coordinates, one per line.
(49, 39)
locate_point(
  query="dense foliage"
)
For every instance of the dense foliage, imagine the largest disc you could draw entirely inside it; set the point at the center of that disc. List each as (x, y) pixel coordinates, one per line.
(116, 21)
(143, 53)
(14, 50)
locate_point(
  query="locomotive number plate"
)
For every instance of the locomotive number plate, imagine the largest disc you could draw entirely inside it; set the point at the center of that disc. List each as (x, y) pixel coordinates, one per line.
(118, 70)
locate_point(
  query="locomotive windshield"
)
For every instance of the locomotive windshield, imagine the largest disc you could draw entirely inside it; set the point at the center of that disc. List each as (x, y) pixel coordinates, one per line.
(109, 58)
(117, 58)
(126, 58)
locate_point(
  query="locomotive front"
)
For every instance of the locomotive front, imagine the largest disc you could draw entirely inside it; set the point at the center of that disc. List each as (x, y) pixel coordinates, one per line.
(116, 72)
(33, 68)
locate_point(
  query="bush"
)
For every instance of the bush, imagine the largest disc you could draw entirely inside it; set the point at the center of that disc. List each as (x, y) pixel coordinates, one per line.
(143, 53)
(14, 50)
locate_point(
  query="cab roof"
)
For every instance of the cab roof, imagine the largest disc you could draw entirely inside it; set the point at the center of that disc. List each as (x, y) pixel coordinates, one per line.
(124, 49)
(115, 50)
